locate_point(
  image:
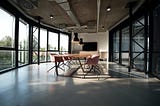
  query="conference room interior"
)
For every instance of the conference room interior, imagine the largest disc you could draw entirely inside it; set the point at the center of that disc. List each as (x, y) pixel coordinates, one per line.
(127, 71)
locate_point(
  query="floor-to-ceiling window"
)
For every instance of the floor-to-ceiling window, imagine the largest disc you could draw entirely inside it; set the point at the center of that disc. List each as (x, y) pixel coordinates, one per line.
(23, 43)
(134, 48)
(43, 45)
(138, 41)
(52, 43)
(116, 39)
(156, 42)
(35, 45)
(64, 43)
(7, 40)
(125, 46)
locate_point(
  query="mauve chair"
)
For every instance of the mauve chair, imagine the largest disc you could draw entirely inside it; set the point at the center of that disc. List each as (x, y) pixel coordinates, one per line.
(58, 60)
(92, 62)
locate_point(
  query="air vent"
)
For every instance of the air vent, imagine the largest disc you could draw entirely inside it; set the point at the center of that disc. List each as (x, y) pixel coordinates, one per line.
(28, 4)
(62, 26)
(91, 24)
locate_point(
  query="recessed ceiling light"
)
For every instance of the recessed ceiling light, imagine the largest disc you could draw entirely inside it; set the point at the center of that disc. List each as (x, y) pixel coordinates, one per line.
(51, 16)
(108, 8)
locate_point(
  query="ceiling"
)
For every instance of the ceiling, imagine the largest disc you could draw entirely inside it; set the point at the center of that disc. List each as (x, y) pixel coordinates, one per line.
(80, 16)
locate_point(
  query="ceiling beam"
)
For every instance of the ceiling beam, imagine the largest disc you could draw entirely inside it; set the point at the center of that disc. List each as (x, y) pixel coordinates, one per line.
(64, 4)
(98, 12)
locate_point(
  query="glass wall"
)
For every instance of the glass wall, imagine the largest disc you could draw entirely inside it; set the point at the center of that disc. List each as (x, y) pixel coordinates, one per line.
(7, 40)
(138, 41)
(43, 45)
(23, 43)
(138, 44)
(125, 46)
(156, 42)
(27, 44)
(7, 37)
(35, 45)
(52, 44)
(53, 41)
(116, 42)
(64, 43)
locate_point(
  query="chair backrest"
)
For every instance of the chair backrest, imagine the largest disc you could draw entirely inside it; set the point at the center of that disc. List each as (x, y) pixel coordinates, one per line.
(58, 58)
(93, 60)
(52, 58)
(66, 57)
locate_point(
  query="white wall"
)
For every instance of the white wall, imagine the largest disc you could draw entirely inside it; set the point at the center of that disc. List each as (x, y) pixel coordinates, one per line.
(101, 38)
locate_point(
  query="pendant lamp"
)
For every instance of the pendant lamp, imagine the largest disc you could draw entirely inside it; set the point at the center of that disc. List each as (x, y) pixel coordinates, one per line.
(81, 41)
(76, 39)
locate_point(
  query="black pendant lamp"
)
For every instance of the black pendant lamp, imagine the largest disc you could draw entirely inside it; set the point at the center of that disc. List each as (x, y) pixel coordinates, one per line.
(81, 41)
(76, 39)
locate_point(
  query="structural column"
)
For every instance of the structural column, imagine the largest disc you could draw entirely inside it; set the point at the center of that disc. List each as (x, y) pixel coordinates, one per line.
(38, 18)
(30, 44)
(120, 47)
(146, 44)
(130, 36)
(17, 38)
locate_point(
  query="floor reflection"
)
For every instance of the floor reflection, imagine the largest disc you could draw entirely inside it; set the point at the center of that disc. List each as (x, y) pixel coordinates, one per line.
(33, 86)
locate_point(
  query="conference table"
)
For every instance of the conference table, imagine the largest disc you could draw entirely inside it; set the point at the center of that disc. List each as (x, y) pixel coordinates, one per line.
(71, 56)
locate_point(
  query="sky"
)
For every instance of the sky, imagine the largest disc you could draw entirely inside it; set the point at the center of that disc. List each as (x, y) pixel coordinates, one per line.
(6, 21)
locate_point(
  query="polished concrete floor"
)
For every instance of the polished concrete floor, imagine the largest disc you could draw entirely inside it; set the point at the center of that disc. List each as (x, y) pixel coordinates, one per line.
(33, 86)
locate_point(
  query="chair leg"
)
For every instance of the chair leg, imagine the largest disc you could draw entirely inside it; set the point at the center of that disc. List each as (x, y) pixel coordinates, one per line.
(59, 64)
(67, 64)
(88, 71)
(95, 69)
(51, 68)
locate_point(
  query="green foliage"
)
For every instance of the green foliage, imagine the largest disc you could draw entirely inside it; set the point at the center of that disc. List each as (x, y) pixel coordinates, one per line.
(6, 41)
(51, 47)
(6, 60)
(5, 57)
(42, 49)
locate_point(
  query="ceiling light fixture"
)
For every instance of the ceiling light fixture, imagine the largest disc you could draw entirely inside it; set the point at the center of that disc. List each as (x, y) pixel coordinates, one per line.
(76, 39)
(81, 41)
(108, 9)
(102, 27)
(51, 16)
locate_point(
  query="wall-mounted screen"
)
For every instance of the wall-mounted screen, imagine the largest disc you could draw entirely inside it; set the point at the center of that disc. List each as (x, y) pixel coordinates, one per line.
(89, 46)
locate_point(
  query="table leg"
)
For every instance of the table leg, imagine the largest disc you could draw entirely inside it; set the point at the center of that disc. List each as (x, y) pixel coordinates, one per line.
(56, 69)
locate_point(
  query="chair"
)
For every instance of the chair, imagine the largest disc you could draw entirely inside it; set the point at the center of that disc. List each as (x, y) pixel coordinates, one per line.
(58, 59)
(92, 62)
